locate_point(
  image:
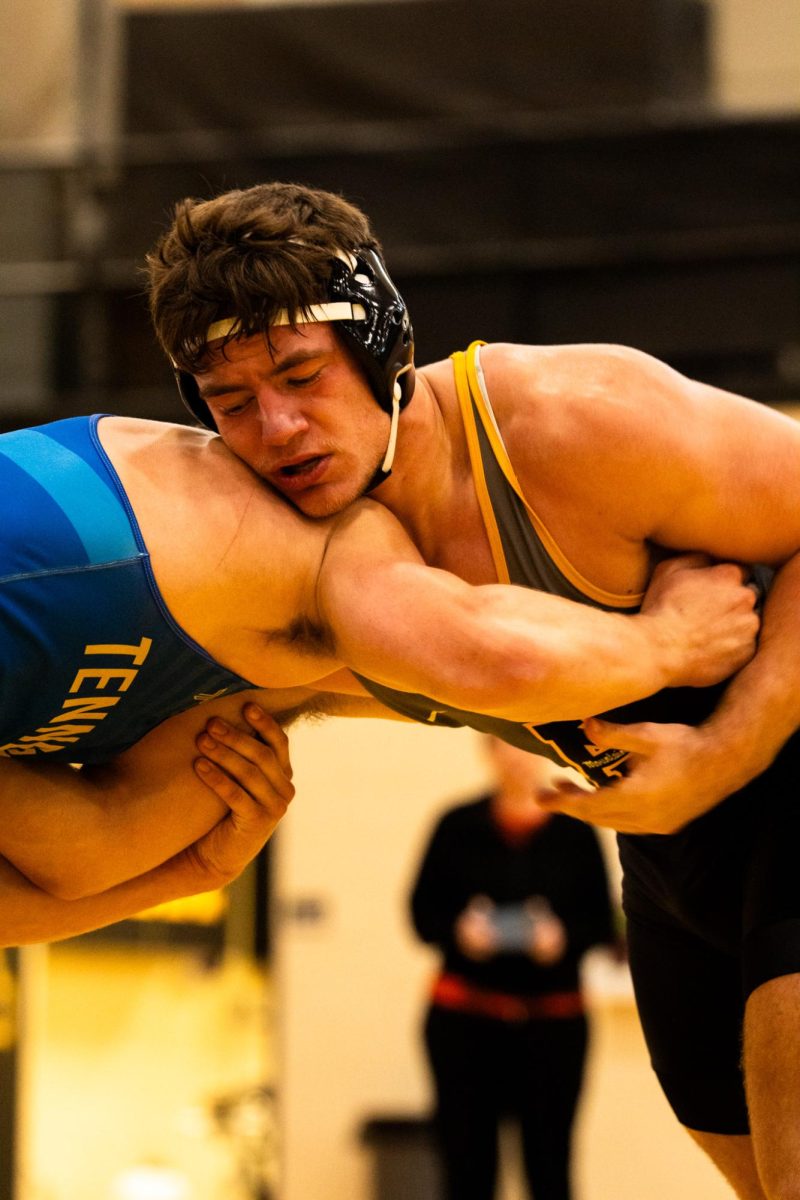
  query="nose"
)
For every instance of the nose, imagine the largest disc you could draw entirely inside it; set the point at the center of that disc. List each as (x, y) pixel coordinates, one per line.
(280, 421)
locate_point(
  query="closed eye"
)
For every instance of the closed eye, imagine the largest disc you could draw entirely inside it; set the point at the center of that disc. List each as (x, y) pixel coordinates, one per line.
(301, 381)
(233, 407)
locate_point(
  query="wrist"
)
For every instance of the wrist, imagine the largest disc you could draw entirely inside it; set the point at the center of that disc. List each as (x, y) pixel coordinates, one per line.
(664, 651)
(734, 750)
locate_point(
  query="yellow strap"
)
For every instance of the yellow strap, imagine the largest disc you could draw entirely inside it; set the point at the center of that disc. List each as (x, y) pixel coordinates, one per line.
(478, 476)
(612, 599)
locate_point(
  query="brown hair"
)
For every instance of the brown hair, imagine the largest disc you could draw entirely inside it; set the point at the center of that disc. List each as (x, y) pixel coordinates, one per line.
(246, 254)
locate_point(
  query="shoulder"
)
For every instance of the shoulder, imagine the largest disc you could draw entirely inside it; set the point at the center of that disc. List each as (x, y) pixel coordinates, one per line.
(592, 383)
(578, 419)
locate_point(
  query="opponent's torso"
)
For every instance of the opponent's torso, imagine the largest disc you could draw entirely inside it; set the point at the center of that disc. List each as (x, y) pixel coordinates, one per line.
(90, 657)
(525, 553)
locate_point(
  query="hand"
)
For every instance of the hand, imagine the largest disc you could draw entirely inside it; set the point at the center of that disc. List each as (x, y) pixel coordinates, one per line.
(548, 940)
(253, 758)
(706, 617)
(672, 778)
(251, 773)
(474, 932)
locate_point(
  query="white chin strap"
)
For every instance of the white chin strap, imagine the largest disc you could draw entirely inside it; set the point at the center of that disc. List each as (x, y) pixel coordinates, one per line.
(397, 397)
(391, 449)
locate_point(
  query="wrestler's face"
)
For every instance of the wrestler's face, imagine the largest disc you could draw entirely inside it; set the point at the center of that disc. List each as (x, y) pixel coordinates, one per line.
(299, 412)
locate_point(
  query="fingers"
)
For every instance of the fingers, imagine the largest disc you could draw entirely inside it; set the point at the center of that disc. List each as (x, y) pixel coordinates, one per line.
(251, 800)
(639, 738)
(270, 732)
(609, 808)
(621, 808)
(565, 794)
(242, 762)
(738, 572)
(574, 801)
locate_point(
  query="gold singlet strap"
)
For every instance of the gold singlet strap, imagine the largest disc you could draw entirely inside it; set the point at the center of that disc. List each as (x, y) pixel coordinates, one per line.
(589, 589)
(476, 462)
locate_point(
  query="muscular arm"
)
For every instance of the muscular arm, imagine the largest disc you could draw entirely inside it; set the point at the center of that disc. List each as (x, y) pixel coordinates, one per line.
(501, 650)
(76, 833)
(28, 914)
(690, 467)
(739, 498)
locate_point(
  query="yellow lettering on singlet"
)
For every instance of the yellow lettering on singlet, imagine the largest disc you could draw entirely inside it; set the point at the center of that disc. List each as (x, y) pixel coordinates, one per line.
(86, 707)
(103, 676)
(137, 653)
(61, 729)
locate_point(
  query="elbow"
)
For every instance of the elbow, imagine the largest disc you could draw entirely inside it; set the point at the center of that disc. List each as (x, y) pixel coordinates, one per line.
(67, 886)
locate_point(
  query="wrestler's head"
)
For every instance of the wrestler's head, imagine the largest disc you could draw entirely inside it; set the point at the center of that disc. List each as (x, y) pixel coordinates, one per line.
(285, 329)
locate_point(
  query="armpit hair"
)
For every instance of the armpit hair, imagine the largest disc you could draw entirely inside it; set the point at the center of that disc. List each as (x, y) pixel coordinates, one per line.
(315, 708)
(306, 637)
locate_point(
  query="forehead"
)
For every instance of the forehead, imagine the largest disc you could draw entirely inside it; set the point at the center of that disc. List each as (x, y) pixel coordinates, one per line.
(282, 344)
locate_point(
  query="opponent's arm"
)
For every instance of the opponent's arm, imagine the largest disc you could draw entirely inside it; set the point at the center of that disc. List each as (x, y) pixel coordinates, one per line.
(28, 914)
(512, 652)
(75, 833)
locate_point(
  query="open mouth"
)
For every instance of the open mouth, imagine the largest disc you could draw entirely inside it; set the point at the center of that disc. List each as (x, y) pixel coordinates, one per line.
(302, 474)
(301, 468)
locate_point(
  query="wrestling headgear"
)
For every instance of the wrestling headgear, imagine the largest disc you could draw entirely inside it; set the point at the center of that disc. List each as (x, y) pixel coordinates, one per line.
(372, 318)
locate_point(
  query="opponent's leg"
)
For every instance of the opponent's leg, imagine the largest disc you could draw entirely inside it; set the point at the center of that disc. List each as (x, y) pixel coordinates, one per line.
(772, 1072)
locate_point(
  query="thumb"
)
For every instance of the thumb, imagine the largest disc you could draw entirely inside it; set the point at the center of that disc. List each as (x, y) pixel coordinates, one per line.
(612, 736)
(552, 798)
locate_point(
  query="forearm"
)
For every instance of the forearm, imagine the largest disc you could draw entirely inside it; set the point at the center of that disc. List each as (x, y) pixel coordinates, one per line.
(75, 833)
(760, 708)
(515, 652)
(544, 658)
(31, 915)
(505, 651)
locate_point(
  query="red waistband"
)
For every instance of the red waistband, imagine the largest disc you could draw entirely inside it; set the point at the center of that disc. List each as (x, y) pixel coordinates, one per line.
(451, 991)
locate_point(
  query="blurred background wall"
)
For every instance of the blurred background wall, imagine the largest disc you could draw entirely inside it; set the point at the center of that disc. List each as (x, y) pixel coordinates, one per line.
(539, 170)
(623, 170)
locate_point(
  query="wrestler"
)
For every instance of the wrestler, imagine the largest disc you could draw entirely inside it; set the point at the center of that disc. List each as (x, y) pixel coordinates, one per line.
(144, 569)
(573, 470)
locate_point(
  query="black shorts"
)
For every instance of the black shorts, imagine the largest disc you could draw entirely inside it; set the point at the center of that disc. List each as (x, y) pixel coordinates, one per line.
(713, 912)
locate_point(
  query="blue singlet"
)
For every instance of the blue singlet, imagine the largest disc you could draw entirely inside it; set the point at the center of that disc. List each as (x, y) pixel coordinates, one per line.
(90, 658)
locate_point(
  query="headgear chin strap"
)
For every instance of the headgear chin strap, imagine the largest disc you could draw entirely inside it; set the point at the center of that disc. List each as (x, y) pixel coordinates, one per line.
(372, 320)
(383, 472)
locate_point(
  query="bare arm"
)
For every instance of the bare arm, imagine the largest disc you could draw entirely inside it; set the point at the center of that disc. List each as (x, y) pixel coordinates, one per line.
(76, 833)
(705, 470)
(509, 651)
(28, 914)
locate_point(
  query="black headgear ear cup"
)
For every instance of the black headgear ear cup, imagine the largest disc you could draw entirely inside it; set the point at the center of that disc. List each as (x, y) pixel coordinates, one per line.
(383, 343)
(380, 336)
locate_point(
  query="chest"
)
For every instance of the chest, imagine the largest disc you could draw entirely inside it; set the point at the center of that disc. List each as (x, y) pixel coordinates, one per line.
(558, 529)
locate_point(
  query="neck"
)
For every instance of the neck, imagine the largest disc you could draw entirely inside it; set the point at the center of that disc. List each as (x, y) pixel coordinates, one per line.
(430, 490)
